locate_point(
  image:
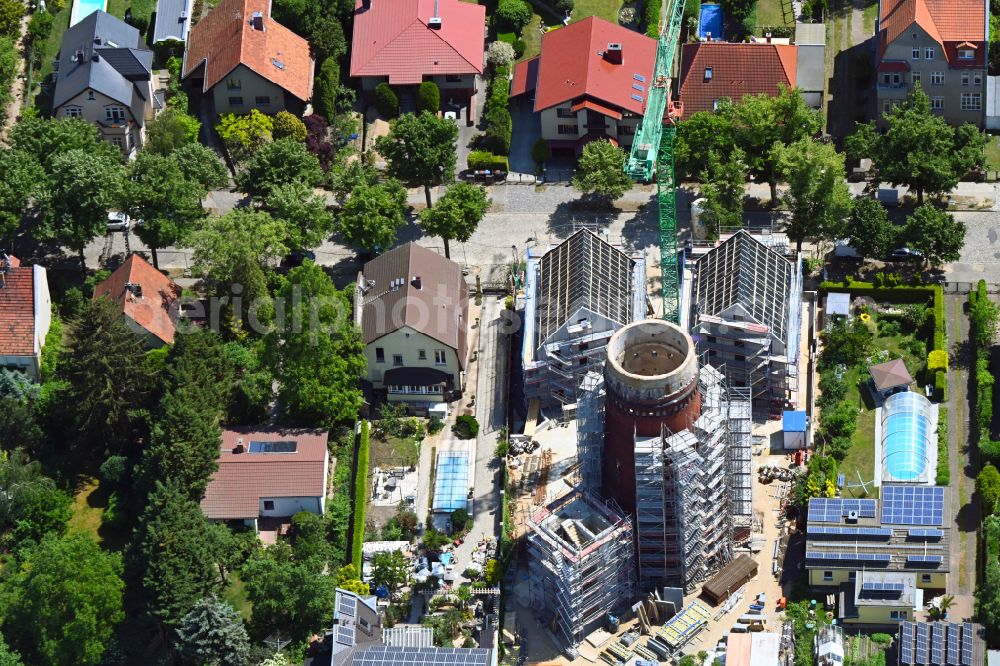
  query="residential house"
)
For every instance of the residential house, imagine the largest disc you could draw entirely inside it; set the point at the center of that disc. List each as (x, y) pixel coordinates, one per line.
(716, 71)
(25, 315)
(590, 82)
(266, 476)
(577, 295)
(810, 62)
(242, 59)
(173, 20)
(148, 299)
(407, 42)
(940, 45)
(103, 75)
(412, 305)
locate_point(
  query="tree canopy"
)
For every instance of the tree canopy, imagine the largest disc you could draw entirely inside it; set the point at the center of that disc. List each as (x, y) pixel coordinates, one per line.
(600, 171)
(241, 233)
(724, 190)
(212, 634)
(420, 150)
(275, 164)
(21, 179)
(817, 197)
(373, 215)
(870, 231)
(304, 212)
(456, 215)
(936, 234)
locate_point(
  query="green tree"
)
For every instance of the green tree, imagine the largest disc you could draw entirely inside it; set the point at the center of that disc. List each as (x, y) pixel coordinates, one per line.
(420, 151)
(212, 634)
(170, 130)
(540, 151)
(83, 187)
(456, 215)
(700, 136)
(157, 192)
(320, 358)
(10, 56)
(970, 146)
(62, 604)
(224, 241)
(106, 376)
(349, 578)
(936, 234)
(244, 135)
(21, 180)
(48, 139)
(280, 163)
(512, 15)
(21, 484)
(174, 555)
(988, 487)
(870, 231)
(202, 165)
(373, 215)
(600, 171)
(386, 100)
(724, 189)
(8, 657)
(44, 511)
(11, 13)
(287, 125)
(345, 177)
(389, 569)
(39, 28)
(309, 539)
(306, 218)
(817, 197)
(428, 97)
(325, 88)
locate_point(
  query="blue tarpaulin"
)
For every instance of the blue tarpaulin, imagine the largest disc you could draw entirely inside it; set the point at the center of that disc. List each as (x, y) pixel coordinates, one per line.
(710, 22)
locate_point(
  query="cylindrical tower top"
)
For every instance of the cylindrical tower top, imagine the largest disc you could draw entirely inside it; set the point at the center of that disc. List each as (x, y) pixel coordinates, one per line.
(650, 360)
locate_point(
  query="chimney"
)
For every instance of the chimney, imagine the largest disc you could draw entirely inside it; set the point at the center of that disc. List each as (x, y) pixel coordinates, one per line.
(416, 282)
(435, 21)
(135, 288)
(613, 53)
(95, 57)
(78, 56)
(767, 37)
(257, 21)
(239, 446)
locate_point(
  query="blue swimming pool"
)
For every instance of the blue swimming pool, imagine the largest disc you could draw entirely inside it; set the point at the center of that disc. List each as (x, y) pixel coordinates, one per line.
(84, 8)
(906, 433)
(451, 481)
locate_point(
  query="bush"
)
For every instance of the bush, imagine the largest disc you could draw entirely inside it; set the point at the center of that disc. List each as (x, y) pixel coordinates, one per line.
(937, 360)
(519, 47)
(479, 159)
(325, 88)
(882, 639)
(500, 163)
(466, 427)
(386, 100)
(288, 125)
(943, 477)
(113, 469)
(360, 494)
(459, 520)
(428, 97)
(651, 18)
(512, 15)
(564, 6)
(540, 151)
(508, 303)
(500, 54)
(499, 130)
(435, 425)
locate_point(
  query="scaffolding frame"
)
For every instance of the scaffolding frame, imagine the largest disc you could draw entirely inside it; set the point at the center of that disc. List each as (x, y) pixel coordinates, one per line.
(590, 431)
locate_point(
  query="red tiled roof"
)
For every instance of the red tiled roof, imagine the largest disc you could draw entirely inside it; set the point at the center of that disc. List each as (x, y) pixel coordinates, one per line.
(600, 108)
(158, 307)
(17, 310)
(392, 38)
(571, 68)
(946, 21)
(893, 66)
(225, 38)
(525, 77)
(737, 70)
(235, 489)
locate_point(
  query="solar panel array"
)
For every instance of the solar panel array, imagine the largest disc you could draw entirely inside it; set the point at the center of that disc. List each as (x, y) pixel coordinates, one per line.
(968, 638)
(831, 510)
(953, 644)
(936, 644)
(931, 561)
(850, 557)
(385, 655)
(822, 530)
(272, 447)
(913, 505)
(921, 533)
(906, 643)
(345, 634)
(346, 604)
(883, 587)
(922, 640)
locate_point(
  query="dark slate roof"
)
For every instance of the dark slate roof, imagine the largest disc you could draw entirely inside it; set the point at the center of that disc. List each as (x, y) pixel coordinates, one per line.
(122, 60)
(744, 271)
(173, 18)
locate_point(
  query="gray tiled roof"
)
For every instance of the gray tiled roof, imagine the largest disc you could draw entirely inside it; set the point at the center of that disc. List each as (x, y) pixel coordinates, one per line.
(173, 19)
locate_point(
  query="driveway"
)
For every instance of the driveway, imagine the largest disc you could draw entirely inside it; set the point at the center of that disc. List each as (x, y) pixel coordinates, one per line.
(527, 129)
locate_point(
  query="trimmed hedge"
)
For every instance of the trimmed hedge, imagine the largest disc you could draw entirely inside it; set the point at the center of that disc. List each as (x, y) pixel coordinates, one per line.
(386, 100)
(499, 124)
(943, 477)
(979, 319)
(360, 494)
(479, 159)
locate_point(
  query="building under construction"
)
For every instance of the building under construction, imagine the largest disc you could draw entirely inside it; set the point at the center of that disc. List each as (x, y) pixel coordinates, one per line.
(745, 317)
(665, 440)
(577, 294)
(581, 567)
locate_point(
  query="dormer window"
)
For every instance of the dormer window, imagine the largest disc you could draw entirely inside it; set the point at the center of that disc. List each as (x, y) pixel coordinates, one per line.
(966, 54)
(708, 73)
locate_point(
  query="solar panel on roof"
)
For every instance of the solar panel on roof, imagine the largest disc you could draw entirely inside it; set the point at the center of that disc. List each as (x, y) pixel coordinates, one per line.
(906, 644)
(883, 587)
(636, 86)
(272, 447)
(639, 77)
(637, 98)
(937, 643)
(913, 505)
(967, 641)
(921, 533)
(922, 643)
(345, 634)
(953, 644)
(924, 561)
(346, 604)
(853, 532)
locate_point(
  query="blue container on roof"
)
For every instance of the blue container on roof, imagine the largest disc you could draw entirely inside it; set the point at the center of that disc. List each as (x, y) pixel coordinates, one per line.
(710, 22)
(793, 421)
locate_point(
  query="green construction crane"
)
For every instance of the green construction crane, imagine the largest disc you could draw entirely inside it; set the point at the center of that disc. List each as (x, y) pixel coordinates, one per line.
(653, 151)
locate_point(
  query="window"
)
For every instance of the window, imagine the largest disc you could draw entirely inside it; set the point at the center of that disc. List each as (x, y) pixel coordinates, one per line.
(898, 615)
(929, 53)
(915, 54)
(915, 77)
(739, 357)
(925, 578)
(708, 73)
(977, 79)
(563, 112)
(453, 78)
(567, 129)
(626, 130)
(887, 106)
(397, 359)
(90, 94)
(264, 101)
(966, 54)
(971, 102)
(966, 78)
(828, 575)
(379, 355)
(73, 112)
(937, 78)
(117, 142)
(421, 354)
(937, 103)
(234, 84)
(114, 114)
(852, 575)
(439, 357)
(235, 101)
(268, 505)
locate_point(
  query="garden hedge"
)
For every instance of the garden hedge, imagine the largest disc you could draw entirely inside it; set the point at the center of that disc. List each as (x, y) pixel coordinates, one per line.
(943, 477)
(499, 124)
(988, 448)
(360, 494)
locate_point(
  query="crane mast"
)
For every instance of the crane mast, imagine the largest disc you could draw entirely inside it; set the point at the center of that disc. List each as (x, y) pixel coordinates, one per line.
(653, 151)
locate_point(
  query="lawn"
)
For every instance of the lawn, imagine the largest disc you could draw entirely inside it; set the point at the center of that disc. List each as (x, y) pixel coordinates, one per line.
(395, 451)
(60, 22)
(236, 594)
(770, 13)
(606, 9)
(993, 154)
(532, 37)
(869, 15)
(532, 33)
(89, 504)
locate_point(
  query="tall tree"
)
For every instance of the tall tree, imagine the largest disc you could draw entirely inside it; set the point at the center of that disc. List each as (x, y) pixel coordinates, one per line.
(817, 195)
(936, 234)
(158, 192)
(600, 171)
(456, 215)
(372, 216)
(171, 130)
(223, 241)
(63, 603)
(870, 231)
(47, 139)
(724, 190)
(201, 165)
(21, 179)
(389, 569)
(106, 374)
(244, 134)
(21, 482)
(317, 349)
(8, 657)
(279, 163)
(83, 187)
(988, 487)
(420, 150)
(304, 212)
(700, 136)
(212, 634)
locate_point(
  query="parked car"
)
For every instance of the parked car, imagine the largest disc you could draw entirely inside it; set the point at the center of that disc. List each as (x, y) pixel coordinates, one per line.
(904, 254)
(297, 257)
(117, 221)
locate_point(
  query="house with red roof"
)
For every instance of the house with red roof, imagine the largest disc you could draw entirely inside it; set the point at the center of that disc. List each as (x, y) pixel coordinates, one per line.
(940, 45)
(25, 315)
(715, 71)
(148, 299)
(267, 475)
(407, 42)
(243, 59)
(589, 82)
